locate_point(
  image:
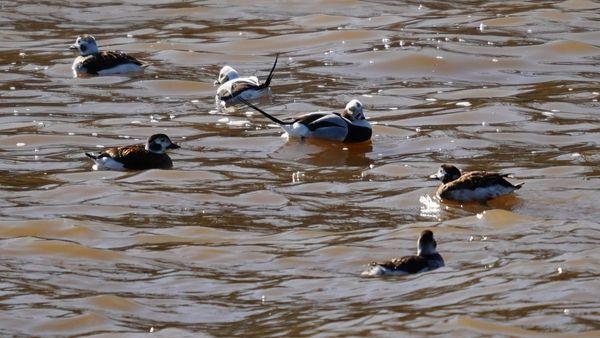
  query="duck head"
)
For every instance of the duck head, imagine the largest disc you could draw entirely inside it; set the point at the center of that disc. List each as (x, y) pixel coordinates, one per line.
(85, 45)
(447, 173)
(426, 243)
(159, 143)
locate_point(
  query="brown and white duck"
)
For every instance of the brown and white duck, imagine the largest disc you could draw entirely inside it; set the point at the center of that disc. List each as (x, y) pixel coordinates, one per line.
(471, 186)
(427, 259)
(93, 62)
(151, 155)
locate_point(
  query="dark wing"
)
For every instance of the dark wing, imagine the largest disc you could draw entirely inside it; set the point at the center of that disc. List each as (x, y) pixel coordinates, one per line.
(241, 86)
(235, 88)
(314, 121)
(107, 59)
(409, 264)
(479, 179)
(137, 158)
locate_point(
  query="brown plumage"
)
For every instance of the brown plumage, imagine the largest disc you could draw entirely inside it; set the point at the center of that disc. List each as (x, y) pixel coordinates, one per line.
(135, 157)
(97, 62)
(152, 155)
(473, 185)
(427, 259)
(94, 62)
(409, 264)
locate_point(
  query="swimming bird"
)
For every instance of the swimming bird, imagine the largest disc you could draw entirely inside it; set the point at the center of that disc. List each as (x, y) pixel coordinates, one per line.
(93, 62)
(151, 155)
(471, 186)
(427, 259)
(348, 126)
(233, 87)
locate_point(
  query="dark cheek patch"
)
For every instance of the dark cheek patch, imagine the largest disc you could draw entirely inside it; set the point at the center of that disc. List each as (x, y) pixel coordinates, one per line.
(83, 48)
(155, 147)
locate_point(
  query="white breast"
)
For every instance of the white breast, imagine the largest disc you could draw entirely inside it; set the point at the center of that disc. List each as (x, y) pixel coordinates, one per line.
(76, 67)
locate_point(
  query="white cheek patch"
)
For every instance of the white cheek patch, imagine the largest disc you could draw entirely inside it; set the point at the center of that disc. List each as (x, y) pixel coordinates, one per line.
(441, 173)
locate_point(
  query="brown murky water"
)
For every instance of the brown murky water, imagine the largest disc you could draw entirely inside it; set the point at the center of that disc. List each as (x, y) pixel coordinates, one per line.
(253, 235)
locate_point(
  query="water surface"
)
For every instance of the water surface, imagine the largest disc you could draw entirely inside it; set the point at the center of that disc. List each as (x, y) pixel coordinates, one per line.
(252, 235)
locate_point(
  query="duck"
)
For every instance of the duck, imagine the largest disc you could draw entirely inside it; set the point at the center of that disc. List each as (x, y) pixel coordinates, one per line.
(471, 186)
(232, 87)
(93, 62)
(427, 259)
(349, 126)
(151, 155)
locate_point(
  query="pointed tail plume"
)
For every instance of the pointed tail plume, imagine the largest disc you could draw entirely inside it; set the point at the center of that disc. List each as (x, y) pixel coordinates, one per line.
(272, 118)
(92, 156)
(516, 186)
(268, 80)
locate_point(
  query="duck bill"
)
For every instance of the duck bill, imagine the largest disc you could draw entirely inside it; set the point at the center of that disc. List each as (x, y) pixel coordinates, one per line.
(173, 146)
(216, 83)
(73, 47)
(436, 176)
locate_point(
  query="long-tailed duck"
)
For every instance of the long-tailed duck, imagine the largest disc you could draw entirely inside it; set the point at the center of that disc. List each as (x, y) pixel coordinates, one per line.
(233, 87)
(427, 259)
(348, 126)
(91, 61)
(151, 155)
(471, 186)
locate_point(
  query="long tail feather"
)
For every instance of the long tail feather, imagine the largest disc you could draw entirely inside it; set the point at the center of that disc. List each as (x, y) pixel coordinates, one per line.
(92, 156)
(267, 82)
(272, 118)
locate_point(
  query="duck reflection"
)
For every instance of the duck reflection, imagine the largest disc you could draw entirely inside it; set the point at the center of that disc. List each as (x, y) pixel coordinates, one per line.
(324, 153)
